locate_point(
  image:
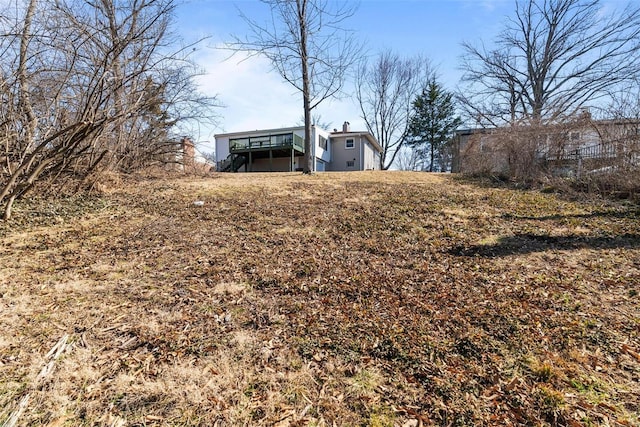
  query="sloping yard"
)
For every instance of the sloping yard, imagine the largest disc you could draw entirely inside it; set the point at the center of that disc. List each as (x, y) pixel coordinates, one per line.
(374, 299)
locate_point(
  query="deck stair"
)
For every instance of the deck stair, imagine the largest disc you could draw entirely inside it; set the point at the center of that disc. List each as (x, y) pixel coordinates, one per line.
(232, 163)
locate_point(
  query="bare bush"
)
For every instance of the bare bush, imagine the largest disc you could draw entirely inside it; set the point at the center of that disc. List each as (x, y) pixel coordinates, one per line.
(597, 155)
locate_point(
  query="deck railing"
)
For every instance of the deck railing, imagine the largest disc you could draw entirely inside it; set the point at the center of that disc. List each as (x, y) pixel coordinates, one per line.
(598, 151)
(266, 142)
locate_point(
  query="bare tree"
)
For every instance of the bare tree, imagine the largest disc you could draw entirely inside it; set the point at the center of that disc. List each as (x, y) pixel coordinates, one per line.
(553, 57)
(409, 159)
(148, 71)
(385, 89)
(308, 46)
(495, 97)
(82, 82)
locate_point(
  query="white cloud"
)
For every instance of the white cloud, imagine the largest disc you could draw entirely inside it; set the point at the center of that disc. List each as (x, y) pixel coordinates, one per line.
(256, 97)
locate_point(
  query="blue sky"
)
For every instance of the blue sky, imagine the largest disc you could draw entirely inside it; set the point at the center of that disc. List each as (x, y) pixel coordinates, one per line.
(257, 98)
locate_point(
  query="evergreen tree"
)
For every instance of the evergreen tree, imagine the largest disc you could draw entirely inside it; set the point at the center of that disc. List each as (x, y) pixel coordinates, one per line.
(432, 122)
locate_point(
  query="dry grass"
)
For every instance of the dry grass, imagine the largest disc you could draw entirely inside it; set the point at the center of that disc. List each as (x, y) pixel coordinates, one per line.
(380, 299)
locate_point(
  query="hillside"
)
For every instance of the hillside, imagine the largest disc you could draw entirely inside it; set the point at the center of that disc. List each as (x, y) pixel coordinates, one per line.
(375, 299)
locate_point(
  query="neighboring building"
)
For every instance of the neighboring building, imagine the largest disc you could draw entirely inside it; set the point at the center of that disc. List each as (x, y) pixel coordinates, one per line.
(583, 145)
(190, 159)
(476, 150)
(282, 150)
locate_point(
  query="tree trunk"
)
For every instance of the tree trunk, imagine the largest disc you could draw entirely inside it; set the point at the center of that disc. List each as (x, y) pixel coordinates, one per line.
(431, 157)
(25, 98)
(308, 145)
(306, 95)
(7, 208)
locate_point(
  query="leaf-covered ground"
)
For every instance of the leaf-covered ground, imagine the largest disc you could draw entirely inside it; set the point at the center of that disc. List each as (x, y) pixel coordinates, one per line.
(374, 299)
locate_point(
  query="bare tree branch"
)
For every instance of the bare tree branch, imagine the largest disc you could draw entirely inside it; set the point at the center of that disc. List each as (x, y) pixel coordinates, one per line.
(553, 58)
(385, 89)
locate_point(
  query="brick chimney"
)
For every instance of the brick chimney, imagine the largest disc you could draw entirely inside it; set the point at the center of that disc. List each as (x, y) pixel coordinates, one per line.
(346, 127)
(585, 114)
(188, 151)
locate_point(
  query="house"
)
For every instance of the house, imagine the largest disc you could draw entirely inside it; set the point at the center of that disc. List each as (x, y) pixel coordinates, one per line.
(580, 146)
(282, 150)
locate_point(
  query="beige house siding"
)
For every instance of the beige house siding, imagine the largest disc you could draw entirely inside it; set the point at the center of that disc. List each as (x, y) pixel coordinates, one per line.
(484, 153)
(341, 155)
(371, 157)
(363, 155)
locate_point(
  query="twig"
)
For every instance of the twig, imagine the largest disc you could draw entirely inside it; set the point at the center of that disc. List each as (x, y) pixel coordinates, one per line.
(51, 357)
(15, 415)
(631, 352)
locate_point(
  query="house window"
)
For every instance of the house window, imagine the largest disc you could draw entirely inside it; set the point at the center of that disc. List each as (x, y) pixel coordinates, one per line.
(351, 163)
(349, 143)
(574, 136)
(323, 142)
